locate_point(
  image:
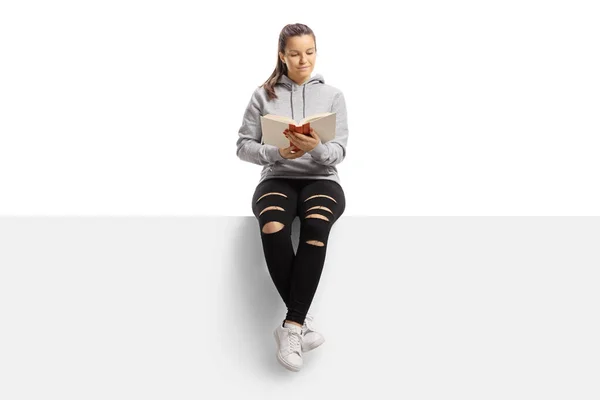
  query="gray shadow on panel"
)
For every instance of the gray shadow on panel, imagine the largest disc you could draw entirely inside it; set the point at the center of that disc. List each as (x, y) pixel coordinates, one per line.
(258, 306)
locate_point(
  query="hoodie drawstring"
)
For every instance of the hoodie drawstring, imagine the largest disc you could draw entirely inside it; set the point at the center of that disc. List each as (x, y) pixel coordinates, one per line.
(286, 81)
(303, 101)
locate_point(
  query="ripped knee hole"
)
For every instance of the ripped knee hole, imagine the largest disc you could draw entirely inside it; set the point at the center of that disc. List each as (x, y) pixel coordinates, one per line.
(272, 227)
(317, 216)
(271, 208)
(271, 193)
(320, 208)
(321, 195)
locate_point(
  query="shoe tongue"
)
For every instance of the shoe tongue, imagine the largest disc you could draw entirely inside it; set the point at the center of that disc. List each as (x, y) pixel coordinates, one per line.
(293, 327)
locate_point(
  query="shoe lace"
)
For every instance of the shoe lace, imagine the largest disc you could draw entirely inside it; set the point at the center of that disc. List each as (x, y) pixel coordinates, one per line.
(294, 341)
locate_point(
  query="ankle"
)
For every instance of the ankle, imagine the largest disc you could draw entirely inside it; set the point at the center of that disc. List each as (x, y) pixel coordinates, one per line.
(292, 322)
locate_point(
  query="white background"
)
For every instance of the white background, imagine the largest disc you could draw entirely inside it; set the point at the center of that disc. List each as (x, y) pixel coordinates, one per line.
(455, 108)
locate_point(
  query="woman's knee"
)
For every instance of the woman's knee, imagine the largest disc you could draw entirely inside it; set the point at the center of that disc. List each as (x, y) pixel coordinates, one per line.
(272, 227)
(315, 229)
(275, 209)
(325, 205)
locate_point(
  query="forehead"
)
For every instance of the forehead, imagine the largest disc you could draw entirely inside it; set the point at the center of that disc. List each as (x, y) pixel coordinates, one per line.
(300, 43)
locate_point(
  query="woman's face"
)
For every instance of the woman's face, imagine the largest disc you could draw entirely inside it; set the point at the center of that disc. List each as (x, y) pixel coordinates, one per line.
(300, 56)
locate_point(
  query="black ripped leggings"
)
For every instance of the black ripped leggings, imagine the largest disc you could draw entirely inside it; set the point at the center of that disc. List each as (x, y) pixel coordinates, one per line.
(275, 203)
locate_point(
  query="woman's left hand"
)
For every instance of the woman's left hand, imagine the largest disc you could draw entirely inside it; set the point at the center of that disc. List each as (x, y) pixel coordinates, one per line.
(302, 141)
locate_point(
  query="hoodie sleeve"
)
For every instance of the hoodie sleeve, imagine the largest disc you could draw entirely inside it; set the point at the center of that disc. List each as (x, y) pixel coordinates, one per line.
(334, 151)
(249, 146)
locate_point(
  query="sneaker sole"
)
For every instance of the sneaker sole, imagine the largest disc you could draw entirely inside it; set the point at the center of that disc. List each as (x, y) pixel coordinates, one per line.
(281, 360)
(314, 345)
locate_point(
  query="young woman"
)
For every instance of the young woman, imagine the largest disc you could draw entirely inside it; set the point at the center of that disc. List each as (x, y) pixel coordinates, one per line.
(300, 180)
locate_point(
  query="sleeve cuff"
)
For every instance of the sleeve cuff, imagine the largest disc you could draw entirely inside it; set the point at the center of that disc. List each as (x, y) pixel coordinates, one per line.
(319, 152)
(273, 153)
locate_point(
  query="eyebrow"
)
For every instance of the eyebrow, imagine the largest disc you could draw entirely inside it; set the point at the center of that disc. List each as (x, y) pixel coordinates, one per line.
(312, 48)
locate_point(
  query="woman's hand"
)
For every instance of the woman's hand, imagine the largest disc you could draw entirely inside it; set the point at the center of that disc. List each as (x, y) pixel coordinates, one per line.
(303, 142)
(291, 152)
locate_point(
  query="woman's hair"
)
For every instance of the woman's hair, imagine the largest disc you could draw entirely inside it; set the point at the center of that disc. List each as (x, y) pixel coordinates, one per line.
(281, 69)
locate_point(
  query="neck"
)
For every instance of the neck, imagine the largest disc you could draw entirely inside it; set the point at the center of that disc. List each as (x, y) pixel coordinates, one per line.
(299, 81)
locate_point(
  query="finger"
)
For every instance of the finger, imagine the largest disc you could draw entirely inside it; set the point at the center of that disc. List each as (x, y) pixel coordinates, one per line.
(291, 150)
(292, 138)
(298, 138)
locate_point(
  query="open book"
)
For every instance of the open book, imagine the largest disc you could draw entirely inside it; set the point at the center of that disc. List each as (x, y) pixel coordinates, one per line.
(274, 125)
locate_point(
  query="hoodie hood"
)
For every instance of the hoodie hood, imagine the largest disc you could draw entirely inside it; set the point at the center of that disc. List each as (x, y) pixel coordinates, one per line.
(292, 87)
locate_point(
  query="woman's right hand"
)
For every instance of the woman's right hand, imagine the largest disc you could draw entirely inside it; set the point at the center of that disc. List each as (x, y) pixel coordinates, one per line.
(291, 152)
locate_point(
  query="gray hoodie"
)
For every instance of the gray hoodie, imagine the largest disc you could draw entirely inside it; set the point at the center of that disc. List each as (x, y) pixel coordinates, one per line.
(295, 101)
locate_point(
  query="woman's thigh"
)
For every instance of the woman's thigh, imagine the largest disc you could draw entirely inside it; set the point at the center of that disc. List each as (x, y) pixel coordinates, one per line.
(275, 199)
(321, 199)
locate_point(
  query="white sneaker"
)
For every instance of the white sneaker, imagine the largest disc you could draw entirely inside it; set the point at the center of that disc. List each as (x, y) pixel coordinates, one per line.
(310, 338)
(289, 346)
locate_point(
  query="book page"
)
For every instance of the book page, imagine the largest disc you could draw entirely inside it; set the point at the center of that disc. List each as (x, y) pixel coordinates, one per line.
(313, 117)
(280, 118)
